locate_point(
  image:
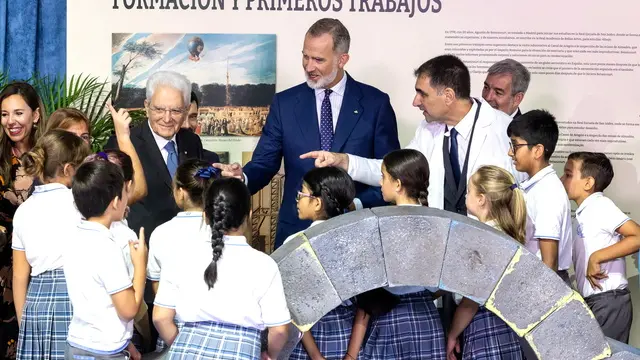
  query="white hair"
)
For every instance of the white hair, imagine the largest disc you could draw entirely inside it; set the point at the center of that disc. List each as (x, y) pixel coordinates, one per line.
(171, 79)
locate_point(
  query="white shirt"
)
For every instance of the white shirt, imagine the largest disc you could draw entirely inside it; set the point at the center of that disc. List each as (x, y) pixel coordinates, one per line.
(549, 214)
(41, 226)
(464, 134)
(335, 98)
(597, 220)
(167, 238)
(121, 235)
(162, 142)
(95, 269)
(290, 237)
(490, 146)
(514, 113)
(240, 296)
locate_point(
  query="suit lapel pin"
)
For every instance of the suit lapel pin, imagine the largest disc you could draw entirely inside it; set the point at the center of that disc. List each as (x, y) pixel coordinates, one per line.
(355, 111)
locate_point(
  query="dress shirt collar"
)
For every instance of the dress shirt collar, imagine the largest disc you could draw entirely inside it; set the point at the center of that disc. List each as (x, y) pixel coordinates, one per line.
(162, 142)
(464, 126)
(338, 88)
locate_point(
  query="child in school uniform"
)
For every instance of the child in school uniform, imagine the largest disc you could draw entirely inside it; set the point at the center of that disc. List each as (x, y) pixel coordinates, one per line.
(412, 329)
(105, 300)
(533, 140)
(604, 236)
(41, 228)
(494, 198)
(225, 299)
(121, 232)
(191, 180)
(326, 193)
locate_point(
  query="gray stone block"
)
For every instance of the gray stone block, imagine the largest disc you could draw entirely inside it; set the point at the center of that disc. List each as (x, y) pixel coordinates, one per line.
(571, 332)
(625, 355)
(475, 258)
(527, 293)
(349, 248)
(309, 292)
(414, 239)
(294, 338)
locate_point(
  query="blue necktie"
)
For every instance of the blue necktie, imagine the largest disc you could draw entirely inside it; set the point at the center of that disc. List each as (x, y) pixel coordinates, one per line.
(172, 158)
(326, 122)
(453, 155)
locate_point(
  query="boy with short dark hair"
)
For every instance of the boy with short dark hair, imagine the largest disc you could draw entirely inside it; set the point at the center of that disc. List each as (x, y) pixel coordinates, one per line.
(533, 139)
(604, 236)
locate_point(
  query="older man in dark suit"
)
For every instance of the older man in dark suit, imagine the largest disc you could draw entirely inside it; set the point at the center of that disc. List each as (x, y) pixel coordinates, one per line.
(161, 145)
(505, 86)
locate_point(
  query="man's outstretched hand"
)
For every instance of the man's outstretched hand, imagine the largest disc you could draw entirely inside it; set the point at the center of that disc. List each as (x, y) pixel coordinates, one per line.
(230, 170)
(326, 158)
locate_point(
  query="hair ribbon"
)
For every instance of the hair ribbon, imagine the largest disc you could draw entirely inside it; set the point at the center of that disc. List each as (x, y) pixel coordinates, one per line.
(513, 186)
(207, 173)
(102, 155)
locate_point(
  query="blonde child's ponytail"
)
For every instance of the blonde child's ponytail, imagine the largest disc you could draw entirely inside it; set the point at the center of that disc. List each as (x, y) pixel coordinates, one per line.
(507, 205)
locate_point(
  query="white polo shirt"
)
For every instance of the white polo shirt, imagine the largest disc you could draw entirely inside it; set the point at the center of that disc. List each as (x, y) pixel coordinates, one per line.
(597, 220)
(292, 236)
(41, 226)
(122, 233)
(248, 291)
(167, 238)
(549, 214)
(95, 269)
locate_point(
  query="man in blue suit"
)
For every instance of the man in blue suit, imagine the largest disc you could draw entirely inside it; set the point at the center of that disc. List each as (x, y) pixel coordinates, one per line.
(331, 112)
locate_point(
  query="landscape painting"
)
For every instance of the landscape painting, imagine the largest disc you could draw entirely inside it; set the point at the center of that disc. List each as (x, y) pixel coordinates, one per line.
(232, 75)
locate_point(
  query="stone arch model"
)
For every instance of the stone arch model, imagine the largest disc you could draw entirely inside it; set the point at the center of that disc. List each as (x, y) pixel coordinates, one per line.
(406, 245)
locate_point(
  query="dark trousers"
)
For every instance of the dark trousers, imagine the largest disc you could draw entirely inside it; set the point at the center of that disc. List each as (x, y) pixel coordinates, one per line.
(614, 313)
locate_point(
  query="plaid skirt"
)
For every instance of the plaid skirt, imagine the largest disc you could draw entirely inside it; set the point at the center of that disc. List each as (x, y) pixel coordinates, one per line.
(210, 340)
(488, 337)
(160, 344)
(331, 333)
(412, 330)
(46, 317)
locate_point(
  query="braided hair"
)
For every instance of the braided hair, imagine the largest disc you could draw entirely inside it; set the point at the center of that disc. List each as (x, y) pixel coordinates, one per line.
(227, 204)
(412, 169)
(334, 187)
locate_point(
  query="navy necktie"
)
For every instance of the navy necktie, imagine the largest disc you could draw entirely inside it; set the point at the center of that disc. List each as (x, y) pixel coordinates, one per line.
(172, 158)
(326, 122)
(453, 155)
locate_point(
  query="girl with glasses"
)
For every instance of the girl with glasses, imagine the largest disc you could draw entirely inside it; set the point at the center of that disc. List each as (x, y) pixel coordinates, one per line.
(326, 193)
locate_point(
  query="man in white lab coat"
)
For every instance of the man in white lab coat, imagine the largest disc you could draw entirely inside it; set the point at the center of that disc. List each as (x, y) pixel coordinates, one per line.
(460, 134)
(443, 89)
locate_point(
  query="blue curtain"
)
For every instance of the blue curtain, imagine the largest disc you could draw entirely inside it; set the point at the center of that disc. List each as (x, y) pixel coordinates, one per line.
(33, 38)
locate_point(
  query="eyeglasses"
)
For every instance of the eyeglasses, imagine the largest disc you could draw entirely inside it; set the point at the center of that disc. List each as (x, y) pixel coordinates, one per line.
(175, 113)
(300, 195)
(514, 147)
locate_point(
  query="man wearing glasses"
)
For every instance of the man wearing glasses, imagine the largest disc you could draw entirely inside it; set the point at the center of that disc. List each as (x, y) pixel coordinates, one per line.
(161, 145)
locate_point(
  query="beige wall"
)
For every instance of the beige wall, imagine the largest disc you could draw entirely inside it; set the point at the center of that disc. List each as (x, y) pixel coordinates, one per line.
(387, 47)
